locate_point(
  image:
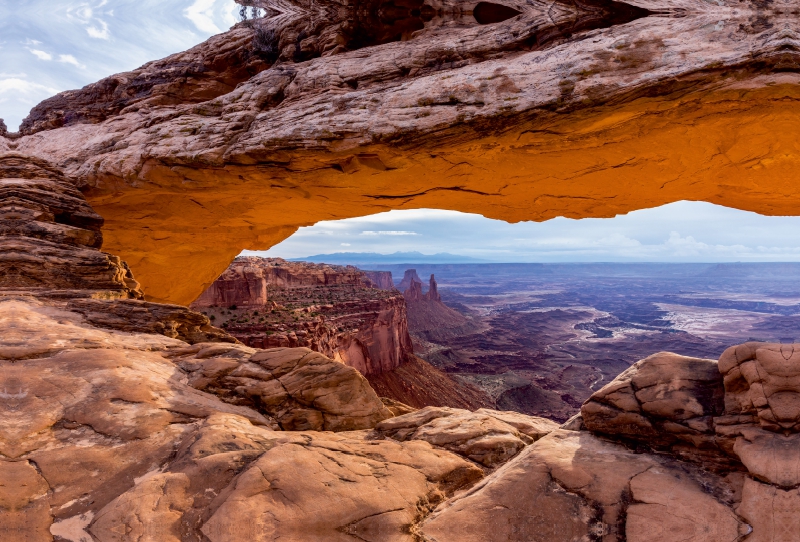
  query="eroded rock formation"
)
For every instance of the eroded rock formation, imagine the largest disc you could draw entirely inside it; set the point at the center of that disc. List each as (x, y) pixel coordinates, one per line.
(335, 310)
(587, 109)
(675, 448)
(339, 312)
(128, 420)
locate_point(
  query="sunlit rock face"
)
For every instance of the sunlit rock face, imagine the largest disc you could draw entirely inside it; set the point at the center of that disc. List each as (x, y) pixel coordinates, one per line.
(675, 448)
(509, 109)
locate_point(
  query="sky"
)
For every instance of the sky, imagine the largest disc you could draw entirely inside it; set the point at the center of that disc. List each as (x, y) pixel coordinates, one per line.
(48, 46)
(679, 232)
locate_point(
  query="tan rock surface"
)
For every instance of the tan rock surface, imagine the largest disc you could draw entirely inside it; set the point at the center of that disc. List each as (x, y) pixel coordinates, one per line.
(481, 436)
(104, 434)
(572, 486)
(533, 426)
(302, 389)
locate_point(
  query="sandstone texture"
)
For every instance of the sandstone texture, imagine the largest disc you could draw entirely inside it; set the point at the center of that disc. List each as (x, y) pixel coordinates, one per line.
(483, 436)
(127, 419)
(675, 448)
(335, 310)
(123, 419)
(527, 111)
(428, 318)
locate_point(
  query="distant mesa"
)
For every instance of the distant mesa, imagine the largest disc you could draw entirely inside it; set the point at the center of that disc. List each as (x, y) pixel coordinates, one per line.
(409, 278)
(361, 258)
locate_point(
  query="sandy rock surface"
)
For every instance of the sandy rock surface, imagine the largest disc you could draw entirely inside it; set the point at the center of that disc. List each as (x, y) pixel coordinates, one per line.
(302, 389)
(482, 436)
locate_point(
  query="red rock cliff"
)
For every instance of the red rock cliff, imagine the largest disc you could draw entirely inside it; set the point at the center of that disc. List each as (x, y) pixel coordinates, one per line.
(337, 310)
(246, 281)
(380, 279)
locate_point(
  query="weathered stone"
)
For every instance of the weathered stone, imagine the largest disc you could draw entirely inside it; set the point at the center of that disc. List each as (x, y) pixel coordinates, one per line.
(572, 486)
(350, 121)
(303, 390)
(480, 436)
(248, 483)
(660, 400)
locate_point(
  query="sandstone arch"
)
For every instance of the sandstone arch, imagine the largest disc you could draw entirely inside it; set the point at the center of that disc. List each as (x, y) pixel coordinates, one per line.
(584, 109)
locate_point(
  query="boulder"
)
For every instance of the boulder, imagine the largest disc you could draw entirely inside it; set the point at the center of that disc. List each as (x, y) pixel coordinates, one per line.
(572, 486)
(481, 436)
(301, 389)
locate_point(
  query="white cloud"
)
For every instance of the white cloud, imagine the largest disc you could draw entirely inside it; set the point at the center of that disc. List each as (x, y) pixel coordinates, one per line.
(678, 232)
(41, 55)
(201, 13)
(14, 84)
(87, 15)
(388, 232)
(69, 59)
(99, 30)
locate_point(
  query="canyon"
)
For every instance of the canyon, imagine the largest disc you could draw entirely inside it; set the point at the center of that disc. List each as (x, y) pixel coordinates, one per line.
(541, 338)
(128, 416)
(342, 312)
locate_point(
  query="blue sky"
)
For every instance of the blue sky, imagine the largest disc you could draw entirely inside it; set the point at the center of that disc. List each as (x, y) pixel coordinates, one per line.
(679, 232)
(48, 46)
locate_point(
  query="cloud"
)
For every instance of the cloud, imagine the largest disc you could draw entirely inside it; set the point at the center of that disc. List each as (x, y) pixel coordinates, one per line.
(69, 59)
(345, 244)
(678, 232)
(201, 13)
(389, 232)
(15, 84)
(98, 30)
(41, 55)
(86, 15)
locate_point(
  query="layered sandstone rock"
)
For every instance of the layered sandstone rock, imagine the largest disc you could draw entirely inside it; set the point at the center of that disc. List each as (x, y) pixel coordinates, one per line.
(114, 427)
(211, 69)
(380, 279)
(675, 448)
(335, 310)
(605, 106)
(247, 280)
(483, 436)
(429, 319)
(301, 389)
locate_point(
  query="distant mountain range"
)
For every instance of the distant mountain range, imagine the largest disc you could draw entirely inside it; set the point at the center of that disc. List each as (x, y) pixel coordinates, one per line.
(362, 258)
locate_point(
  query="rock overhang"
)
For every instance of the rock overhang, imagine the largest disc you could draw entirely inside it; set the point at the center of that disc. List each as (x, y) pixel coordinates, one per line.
(691, 101)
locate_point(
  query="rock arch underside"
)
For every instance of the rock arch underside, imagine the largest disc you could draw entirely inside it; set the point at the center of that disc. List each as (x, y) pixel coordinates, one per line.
(126, 416)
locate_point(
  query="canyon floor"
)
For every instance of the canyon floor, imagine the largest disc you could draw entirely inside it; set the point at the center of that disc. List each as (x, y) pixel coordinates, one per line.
(546, 337)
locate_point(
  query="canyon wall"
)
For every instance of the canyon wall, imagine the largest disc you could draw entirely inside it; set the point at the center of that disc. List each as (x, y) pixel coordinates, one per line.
(340, 312)
(380, 279)
(336, 310)
(247, 280)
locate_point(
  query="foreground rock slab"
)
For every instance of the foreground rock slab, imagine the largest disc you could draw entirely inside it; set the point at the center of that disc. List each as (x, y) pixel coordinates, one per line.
(240, 482)
(573, 486)
(488, 437)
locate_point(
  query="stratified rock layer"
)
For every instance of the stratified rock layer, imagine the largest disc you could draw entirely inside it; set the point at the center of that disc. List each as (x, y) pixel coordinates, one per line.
(578, 110)
(335, 310)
